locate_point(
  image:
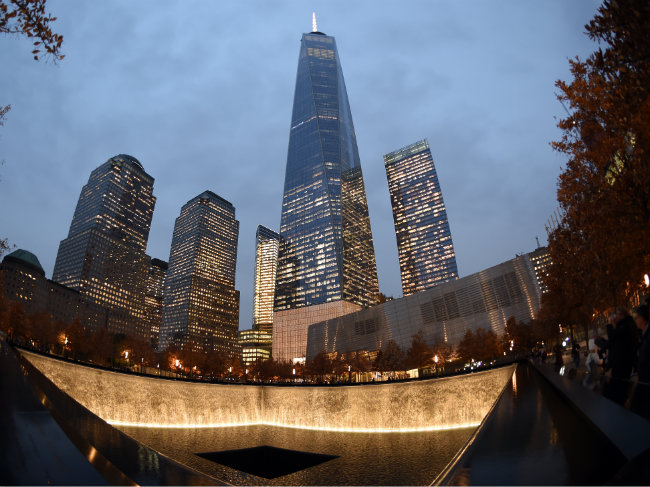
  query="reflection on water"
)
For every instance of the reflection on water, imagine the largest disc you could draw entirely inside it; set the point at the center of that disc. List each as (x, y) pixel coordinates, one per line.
(363, 458)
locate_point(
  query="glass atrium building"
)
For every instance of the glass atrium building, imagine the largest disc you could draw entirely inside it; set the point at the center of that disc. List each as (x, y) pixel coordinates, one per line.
(103, 256)
(426, 251)
(326, 252)
(201, 304)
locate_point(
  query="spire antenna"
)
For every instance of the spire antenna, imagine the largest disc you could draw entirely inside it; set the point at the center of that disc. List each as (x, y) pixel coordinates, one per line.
(314, 27)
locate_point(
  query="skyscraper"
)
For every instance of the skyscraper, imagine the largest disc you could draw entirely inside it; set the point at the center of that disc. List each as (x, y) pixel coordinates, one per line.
(426, 252)
(153, 298)
(103, 256)
(326, 257)
(201, 303)
(267, 244)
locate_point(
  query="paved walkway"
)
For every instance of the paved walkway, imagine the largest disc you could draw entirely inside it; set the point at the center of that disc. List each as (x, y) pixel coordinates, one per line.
(35, 451)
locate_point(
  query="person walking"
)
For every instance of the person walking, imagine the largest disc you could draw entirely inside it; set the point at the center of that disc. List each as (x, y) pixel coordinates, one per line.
(623, 341)
(622, 359)
(643, 365)
(641, 400)
(593, 364)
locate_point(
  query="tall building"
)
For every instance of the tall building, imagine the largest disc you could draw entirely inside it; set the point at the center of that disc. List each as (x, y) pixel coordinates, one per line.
(153, 298)
(326, 253)
(103, 256)
(541, 261)
(426, 252)
(267, 245)
(201, 303)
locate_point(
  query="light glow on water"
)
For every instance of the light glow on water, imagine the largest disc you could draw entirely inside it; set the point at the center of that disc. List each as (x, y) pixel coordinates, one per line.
(312, 428)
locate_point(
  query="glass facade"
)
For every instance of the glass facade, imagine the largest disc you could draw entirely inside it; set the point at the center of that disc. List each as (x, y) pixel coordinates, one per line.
(541, 261)
(255, 345)
(267, 245)
(426, 251)
(103, 256)
(201, 303)
(153, 298)
(326, 252)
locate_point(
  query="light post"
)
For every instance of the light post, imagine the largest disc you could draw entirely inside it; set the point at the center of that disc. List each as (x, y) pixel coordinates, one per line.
(349, 374)
(435, 359)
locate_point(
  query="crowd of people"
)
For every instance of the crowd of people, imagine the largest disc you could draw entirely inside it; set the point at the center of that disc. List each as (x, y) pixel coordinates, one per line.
(619, 363)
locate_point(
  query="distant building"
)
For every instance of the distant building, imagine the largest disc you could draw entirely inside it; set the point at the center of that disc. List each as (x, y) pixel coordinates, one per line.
(541, 261)
(200, 300)
(255, 345)
(426, 251)
(154, 297)
(326, 253)
(444, 313)
(23, 279)
(267, 244)
(103, 256)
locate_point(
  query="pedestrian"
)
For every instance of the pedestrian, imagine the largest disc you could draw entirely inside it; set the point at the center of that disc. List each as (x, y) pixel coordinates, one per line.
(623, 342)
(557, 350)
(593, 364)
(640, 403)
(575, 354)
(621, 358)
(643, 365)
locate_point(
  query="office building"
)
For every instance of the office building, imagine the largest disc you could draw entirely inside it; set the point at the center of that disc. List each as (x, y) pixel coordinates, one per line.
(103, 256)
(255, 345)
(424, 245)
(326, 256)
(541, 261)
(153, 298)
(267, 245)
(201, 304)
(22, 279)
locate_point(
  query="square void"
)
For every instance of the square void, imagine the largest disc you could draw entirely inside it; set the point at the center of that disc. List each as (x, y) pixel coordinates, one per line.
(267, 461)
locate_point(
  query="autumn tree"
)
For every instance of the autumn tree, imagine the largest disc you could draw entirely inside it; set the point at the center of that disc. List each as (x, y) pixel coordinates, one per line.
(29, 18)
(319, 366)
(419, 354)
(519, 336)
(215, 363)
(390, 358)
(480, 345)
(599, 248)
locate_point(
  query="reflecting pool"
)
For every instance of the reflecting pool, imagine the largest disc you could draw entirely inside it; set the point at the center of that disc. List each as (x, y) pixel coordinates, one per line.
(362, 458)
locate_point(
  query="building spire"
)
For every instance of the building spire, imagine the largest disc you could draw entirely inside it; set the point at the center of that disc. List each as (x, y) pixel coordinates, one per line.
(314, 27)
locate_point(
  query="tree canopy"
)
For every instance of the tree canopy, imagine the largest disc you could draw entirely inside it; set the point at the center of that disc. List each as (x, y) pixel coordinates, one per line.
(599, 248)
(29, 18)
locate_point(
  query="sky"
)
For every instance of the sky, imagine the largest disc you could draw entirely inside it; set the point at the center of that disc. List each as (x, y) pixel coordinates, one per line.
(201, 93)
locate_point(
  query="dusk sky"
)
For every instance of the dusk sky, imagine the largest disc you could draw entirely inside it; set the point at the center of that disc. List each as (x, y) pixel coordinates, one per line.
(201, 92)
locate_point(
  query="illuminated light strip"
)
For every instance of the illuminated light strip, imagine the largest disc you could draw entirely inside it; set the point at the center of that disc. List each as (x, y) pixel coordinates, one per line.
(311, 428)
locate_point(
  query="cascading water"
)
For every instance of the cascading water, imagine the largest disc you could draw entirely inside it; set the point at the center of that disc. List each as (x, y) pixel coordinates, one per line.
(428, 405)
